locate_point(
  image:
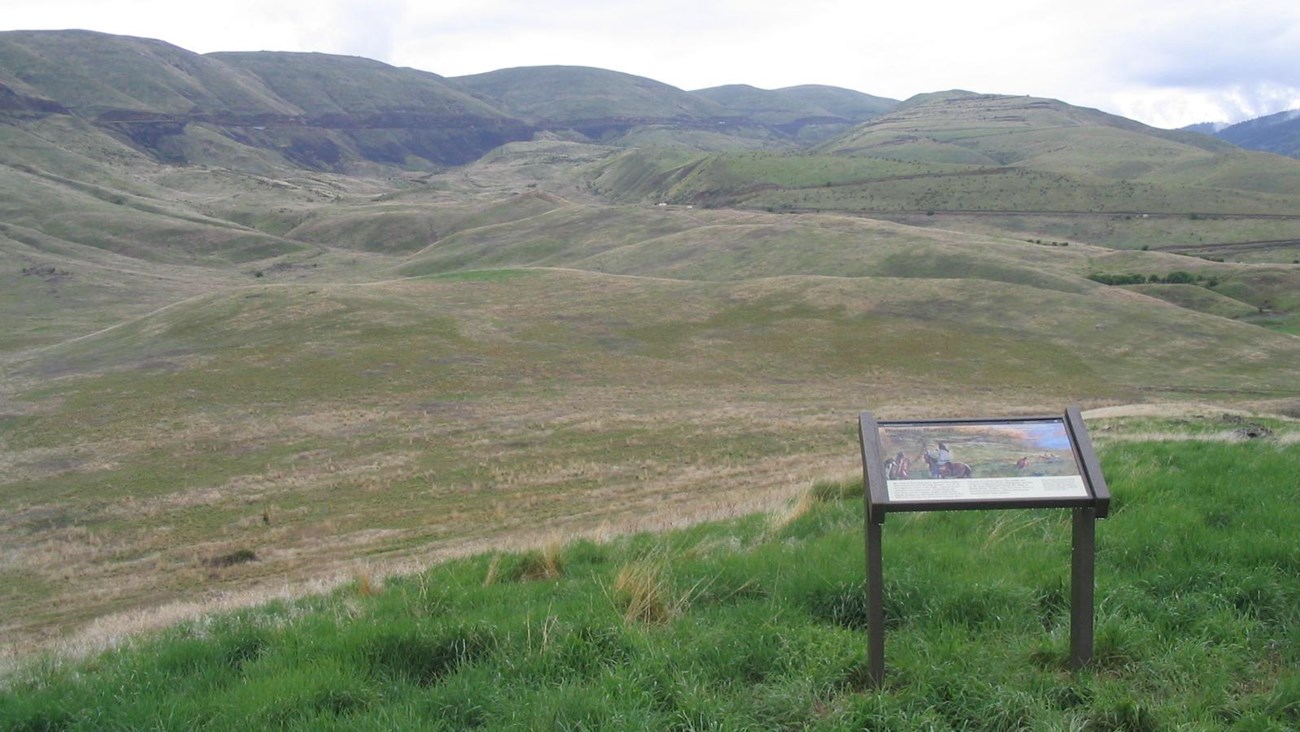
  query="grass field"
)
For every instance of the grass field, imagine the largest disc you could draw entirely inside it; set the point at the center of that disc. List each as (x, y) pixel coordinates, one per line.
(522, 366)
(758, 622)
(1008, 166)
(325, 427)
(233, 381)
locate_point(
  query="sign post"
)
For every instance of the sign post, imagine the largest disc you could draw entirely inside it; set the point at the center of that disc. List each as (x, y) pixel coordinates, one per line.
(969, 464)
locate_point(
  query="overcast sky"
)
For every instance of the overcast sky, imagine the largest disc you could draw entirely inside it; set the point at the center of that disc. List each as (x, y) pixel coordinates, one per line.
(1164, 62)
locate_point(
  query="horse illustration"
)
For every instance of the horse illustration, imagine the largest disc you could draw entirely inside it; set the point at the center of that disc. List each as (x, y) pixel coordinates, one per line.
(896, 468)
(951, 469)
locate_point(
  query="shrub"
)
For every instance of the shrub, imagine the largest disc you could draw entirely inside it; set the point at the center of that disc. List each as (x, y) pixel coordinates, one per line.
(239, 556)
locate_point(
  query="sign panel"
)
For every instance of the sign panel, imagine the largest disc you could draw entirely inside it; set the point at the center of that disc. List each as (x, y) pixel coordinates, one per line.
(983, 461)
(954, 464)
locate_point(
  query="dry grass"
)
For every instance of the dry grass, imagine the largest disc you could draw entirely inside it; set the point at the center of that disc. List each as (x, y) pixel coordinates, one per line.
(493, 571)
(136, 563)
(406, 421)
(643, 594)
(549, 565)
(309, 416)
(530, 565)
(366, 584)
(804, 504)
(309, 559)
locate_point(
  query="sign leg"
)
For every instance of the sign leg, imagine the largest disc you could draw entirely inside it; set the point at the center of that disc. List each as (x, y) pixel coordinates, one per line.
(875, 608)
(1082, 577)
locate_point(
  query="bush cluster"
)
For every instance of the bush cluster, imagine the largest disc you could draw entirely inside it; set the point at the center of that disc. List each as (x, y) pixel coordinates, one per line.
(1177, 277)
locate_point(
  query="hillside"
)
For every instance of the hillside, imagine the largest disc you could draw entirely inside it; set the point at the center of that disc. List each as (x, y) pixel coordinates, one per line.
(968, 152)
(759, 622)
(1277, 133)
(617, 366)
(610, 107)
(334, 314)
(810, 113)
(96, 74)
(223, 109)
(1000, 129)
(324, 84)
(578, 94)
(252, 111)
(1032, 169)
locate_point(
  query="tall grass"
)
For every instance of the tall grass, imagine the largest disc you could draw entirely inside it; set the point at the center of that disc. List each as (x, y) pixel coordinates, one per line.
(758, 623)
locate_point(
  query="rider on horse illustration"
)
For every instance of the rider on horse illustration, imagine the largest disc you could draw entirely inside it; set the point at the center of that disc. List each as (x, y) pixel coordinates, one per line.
(939, 461)
(943, 466)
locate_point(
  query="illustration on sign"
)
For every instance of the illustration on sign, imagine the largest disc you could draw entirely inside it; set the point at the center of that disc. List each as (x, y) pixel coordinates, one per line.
(983, 461)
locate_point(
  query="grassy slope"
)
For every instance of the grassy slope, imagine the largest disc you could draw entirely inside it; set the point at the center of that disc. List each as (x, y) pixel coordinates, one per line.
(894, 180)
(724, 246)
(712, 245)
(759, 623)
(320, 424)
(91, 73)
(576, 93)
(92, 233)
(321, 84)
(402, 419)
(791, 104)
(1029, 168)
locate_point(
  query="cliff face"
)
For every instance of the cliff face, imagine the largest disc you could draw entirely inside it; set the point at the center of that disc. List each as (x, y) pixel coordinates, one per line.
(325, 142)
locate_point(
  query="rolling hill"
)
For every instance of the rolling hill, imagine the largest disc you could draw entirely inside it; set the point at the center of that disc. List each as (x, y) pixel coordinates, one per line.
(810, 113)
(794, 104)
(971, 152)
(576, 94)
(337, 314)
(96, 74)
(181, 107)
(1033, 169)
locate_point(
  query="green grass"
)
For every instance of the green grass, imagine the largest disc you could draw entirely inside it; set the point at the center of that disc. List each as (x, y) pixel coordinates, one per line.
(758, 622)
(217, 358)
(408, 418)
(1129, 231)
(577, 94)
(1194, 297)
(982, 153)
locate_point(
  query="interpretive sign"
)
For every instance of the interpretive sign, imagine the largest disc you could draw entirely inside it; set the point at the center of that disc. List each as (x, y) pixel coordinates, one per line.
(1003, 460)
(963, 464)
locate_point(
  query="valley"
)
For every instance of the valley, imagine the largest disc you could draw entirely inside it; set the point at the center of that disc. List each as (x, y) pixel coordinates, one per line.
(245, 363)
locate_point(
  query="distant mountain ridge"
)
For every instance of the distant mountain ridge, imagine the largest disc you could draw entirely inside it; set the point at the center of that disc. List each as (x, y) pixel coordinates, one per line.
(339, 113)
(330, 112)
(810, 112)
(1276, 133)
(151, 93)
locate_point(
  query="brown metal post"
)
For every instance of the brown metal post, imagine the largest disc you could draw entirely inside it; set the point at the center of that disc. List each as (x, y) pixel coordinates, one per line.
(875, 608)
(1082, 575)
